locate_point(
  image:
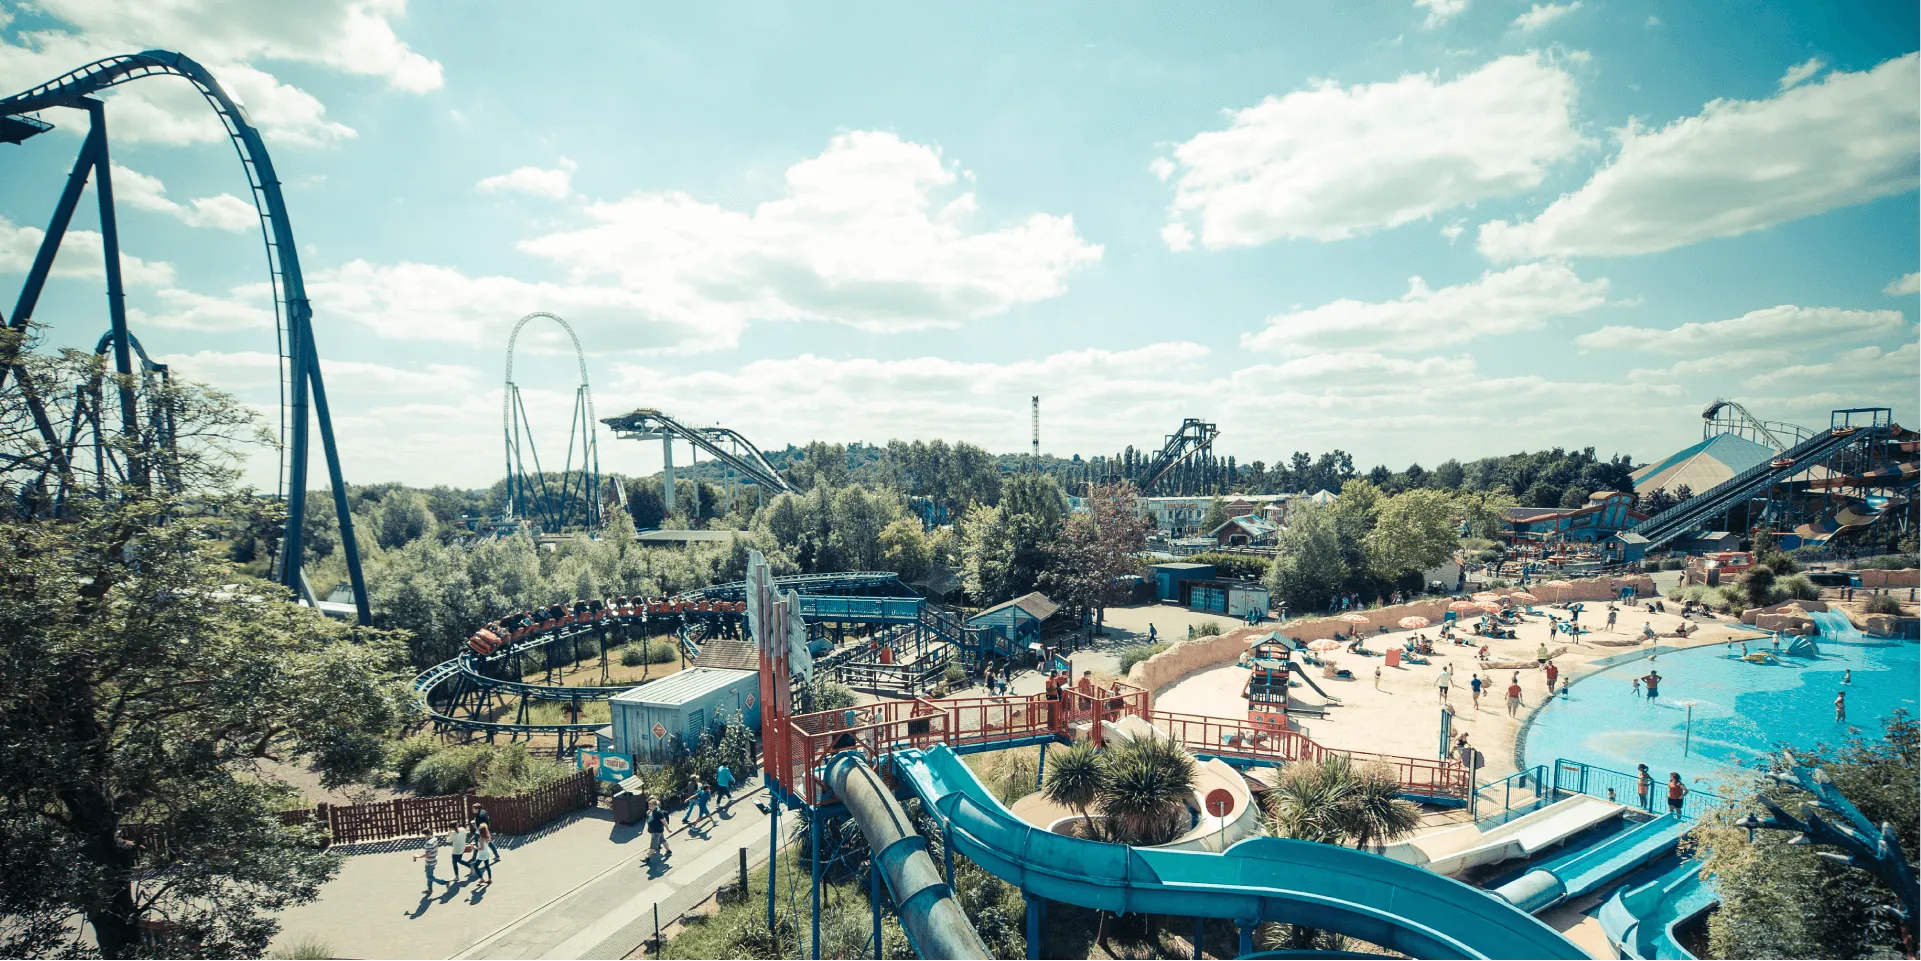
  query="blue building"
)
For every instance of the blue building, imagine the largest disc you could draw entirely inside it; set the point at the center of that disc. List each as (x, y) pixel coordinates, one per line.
(1012, 626)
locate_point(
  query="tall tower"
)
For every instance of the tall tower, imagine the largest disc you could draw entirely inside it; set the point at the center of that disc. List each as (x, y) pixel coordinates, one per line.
(1037, 425)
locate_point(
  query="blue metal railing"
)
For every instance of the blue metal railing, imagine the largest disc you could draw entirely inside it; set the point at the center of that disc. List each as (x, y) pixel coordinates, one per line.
(1529, 786)
(1580, 777)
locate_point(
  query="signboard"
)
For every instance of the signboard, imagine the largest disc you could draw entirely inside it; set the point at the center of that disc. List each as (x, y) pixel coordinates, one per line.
(660, 730)
(1220, 802)
(615, 768)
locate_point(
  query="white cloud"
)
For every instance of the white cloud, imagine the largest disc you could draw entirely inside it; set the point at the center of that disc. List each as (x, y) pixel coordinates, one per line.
(856, 240)
(1786, 326)
(1331, 162)
(1178, 236)
(1453, 231)
(1862, 369)
(1162, 168)
(539, 182)
(1801, 71)
(249, 370)
(1902, 286)
(1542, 14)
(81, 255)
(1519, 298)
(227, 37)
(1440, 11)
(1738, 166)
(248, 307)
(221, 211)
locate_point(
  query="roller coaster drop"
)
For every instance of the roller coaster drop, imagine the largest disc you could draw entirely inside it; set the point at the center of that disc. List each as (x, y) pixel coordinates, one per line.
(575, 500)
(303, 399)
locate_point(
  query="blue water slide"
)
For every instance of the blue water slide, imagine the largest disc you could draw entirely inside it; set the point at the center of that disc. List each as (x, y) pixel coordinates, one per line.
(1588, 871)
(1366, 896)
(1640, 920)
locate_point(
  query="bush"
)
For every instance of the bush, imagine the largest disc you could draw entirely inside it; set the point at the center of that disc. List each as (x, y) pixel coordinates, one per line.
(449, 770)
(1780, 563)
(1886, 562)
(403, 756)
(954, 677)
(1798, 588)
(1208, 629)
(486, 768)
(1883, 604)
(660, 650)
(632, 655)
(302, 948)
(1137, 653)
(1672, 564)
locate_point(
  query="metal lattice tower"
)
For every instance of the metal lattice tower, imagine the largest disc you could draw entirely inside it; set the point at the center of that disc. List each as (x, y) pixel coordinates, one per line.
(573, 500)
(1037, 426)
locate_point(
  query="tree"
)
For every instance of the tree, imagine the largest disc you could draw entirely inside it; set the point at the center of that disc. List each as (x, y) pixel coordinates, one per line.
(1074, 780)
(1413, 531)
(145, 676)
(1449, 475)
(1374, 812)
(1760, 585)
(1144, 794)
(402, 517)
(1095, 548)
(1004, 549)
(1309, 567)
(1484, 511)
(1783, 900)
(1573, 497)
(1215, 516)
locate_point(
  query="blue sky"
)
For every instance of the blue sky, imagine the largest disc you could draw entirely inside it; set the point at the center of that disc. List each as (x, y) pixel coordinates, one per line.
(894, 221)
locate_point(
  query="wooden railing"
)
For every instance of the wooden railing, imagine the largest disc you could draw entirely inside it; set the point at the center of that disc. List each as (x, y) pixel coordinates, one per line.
(405, 817)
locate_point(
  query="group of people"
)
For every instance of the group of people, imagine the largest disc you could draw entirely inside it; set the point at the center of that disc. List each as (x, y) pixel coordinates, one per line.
(1479, 684)
(1644, 783)
(475, 851)
(698, 813)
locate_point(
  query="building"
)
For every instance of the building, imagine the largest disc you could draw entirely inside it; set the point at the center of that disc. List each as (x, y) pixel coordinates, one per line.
(1245, 530)
(1016, 624)
(1182, 516)
(1703, 465)
(650, 719)
(1194, 586)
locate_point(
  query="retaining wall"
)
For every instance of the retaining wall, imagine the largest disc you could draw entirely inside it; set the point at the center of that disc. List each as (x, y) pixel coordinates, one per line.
(1907, 578)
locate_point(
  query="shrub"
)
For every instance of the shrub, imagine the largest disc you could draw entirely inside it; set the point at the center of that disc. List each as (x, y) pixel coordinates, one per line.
(513, 770)
(1780, 563)
(1883, 604)
(1131, 656)
(486, 768)
(404, 755)
(1798, 588)
(303, 948)
(449, 770)
(1208, 629)
(632, 655)
(661, 650)
(954, 677)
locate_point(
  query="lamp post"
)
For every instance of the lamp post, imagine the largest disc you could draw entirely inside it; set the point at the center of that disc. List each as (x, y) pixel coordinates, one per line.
(1687, 732)
(1873, 849)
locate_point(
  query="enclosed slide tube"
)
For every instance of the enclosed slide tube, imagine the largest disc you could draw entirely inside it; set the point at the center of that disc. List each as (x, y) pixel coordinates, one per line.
(1406, 909)
(933, 921)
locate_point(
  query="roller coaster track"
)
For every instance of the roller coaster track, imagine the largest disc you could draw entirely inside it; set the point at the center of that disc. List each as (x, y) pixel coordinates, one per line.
(1729, 417)
(301, 386)
(464, 678)
(739, 452)
(530, 494)
(1195, 437)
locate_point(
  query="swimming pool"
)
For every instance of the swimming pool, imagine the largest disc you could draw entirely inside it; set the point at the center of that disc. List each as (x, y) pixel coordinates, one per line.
(1741, 712)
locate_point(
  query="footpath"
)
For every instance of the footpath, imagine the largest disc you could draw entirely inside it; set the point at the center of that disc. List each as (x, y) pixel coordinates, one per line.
(581, 888)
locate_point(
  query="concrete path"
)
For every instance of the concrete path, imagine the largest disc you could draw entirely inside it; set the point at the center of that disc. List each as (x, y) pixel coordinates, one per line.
(584, 888)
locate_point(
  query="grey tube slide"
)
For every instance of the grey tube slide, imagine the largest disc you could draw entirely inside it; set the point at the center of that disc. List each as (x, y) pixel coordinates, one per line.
(933, 921)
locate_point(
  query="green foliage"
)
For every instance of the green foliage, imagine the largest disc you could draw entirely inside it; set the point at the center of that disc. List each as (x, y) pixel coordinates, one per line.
(1882, 604)
(1215, 515)
(1797, 588)
(1886, 562)
(1134, 654)
(1096, 547)
(1310, 568)
(1251, 566)
(402, 757)
(659, 650)
(1208, 628)
(498, 770)
(144, 673)
(1412, 531)
(1782, 900)
(1145, 790)
(1760, 585)
(304, 948)
(1075, 778)
(1780, 563)
(1334, 801)
(821, 694)
(1004, 548)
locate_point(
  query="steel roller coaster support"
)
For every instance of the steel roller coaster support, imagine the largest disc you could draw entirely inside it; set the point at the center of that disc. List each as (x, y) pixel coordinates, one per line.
(303, 393)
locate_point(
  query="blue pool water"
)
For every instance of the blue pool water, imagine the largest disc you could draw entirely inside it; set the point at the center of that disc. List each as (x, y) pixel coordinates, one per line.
(1742, 711)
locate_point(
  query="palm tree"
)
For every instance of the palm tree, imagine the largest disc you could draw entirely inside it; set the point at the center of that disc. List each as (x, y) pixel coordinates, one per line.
(1374, 812)
(1146, 790)
(1306, 804)
(1075, 781)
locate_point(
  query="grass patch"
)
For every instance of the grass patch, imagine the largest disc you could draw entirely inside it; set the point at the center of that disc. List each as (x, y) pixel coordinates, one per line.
(1137, 653)
(303, 948)
(486, 768)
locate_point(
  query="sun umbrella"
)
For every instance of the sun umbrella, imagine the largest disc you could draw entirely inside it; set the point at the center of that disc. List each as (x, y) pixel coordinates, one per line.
(1464, 607)
(1560, 584)
(1490, 606)
(1523, 597)
(1486, 596)
(1325, 644)
(1412, 623)
(1355, 618)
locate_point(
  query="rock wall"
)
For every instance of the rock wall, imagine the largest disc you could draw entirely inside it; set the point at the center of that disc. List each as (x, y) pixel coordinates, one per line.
(1908, 578)
(1185, 657)
(1790, 617)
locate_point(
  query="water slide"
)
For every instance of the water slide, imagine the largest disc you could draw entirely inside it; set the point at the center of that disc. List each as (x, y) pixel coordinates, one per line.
(1405, 909)
(1209, 833)
(1457, 849)
(1589, 870)
(1300, 670)
(1640, 921)
(1851, 513)
(933, 921)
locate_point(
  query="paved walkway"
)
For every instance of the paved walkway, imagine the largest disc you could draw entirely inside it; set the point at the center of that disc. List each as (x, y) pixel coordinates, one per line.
(583, 888)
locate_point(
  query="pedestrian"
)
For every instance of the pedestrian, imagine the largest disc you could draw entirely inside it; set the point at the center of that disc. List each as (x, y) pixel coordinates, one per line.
(1553, 627)
(1653, 680)
(1611, 616)
(1443, 681)
(723, 787)
(430, 844)
(1377, 677)
(1540, 654)
(1552, 672)
(1847, 676)
(1150, 633)
(1637, 687)
(1474, 691)
(696, 800)
(1677, 792)
(1611, 796)
(1644, 782)
(1565, 684)
(1513, 698)
(1840, 707)
(657, 830)
(483, 859)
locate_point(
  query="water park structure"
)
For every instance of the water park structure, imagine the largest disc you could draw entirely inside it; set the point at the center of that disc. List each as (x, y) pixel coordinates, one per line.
(303, 394)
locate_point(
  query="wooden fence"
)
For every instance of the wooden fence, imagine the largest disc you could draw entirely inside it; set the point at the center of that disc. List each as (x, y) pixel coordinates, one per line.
(404, 817)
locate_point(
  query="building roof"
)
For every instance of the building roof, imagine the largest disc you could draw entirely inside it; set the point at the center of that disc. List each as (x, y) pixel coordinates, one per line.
(685, 537)
(1703, 465)
(674, 690)
(1529, 513)
(1182, 566)
(1258, 526)
(728, 654)
(1629, 537)
(1036, 605)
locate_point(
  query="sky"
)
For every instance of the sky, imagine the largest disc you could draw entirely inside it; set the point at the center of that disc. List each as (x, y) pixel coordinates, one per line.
(1409, 230)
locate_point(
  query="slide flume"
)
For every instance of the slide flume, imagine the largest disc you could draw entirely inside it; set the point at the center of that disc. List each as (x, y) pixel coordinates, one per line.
(1406, 909)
